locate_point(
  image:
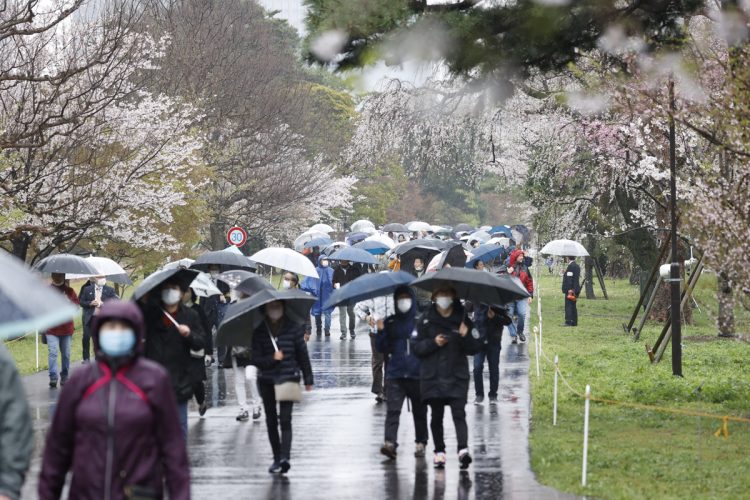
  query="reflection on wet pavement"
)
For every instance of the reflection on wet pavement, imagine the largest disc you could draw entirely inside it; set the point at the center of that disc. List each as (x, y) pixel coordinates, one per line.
(338, 430)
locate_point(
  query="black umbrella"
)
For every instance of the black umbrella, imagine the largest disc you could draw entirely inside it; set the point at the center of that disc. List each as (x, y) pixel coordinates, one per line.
(453, 257)
(224, 259)
(438, 245)
(476, 286)
(368, 286)
(395, 227)
(65, 263)
(244, 316)
(153, 281)
(253, 284)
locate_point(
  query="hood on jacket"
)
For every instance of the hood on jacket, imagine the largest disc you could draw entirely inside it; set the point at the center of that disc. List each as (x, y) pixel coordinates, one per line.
(321, 258)
(404, 288)
(124, 311)
(514, 255)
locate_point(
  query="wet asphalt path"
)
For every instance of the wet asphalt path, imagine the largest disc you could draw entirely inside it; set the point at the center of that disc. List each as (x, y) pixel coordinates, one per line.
(338, 430)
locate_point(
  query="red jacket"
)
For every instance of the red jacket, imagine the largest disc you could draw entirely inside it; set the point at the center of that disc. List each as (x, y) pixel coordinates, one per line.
(521, 272)
(64, 329)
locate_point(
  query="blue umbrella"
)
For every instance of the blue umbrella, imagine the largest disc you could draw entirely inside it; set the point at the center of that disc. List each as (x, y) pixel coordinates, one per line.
(353, 255)
(26, 302)
(368, 286)
(318, 242)
(485, 253)
(373, 246)
(501, 229)
(353, 238)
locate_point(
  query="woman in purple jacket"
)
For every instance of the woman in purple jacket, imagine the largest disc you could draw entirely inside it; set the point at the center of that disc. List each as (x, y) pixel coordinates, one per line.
(116, 426)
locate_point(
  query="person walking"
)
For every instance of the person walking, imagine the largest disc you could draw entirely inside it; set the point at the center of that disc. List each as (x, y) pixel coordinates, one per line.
(571, 288)
(58, 338)
(344, 274)
(402, 372)
(172, 331)
(445, 337)
(16, 430)
(550, 263)
(489, 322)
(91, 297)
(520, 307)
(371, 311)
(291, 281)
(322, 288)
(201, 359)
(115, 426)
(280, 353)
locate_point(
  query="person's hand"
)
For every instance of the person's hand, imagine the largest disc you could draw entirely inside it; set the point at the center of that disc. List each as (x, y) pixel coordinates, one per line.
(463, 329)
(278, 355)
(531, 299)
(308, 388)
(510, 270)
(370, 320)
(184, 330)
(96, 303)
(490, 313)
(222, 299)
(307, 336)
(209, 360)
(381, 324)
(441, 340)
(3, 497)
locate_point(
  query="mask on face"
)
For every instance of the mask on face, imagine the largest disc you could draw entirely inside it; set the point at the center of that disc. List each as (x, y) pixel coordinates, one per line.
(286, 284)
(324, 263)
(404, 305)
(444, 301)
(58, 282)
(115, 343)
(170, 296)
(214, 274)
(101, 281)
(275, 313)
(418, 268)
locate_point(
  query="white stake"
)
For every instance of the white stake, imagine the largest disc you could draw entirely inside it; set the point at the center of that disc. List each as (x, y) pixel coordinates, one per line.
(585, 435)
(554, 397)
(36, 347)
(538, 351)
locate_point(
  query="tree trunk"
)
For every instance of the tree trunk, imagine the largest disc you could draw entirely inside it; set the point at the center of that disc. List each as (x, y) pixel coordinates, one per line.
(21, 246)
(725, 320)
(588, 269)
(218, 236)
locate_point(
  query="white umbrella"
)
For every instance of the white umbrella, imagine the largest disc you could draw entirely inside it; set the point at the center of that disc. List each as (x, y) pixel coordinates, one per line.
(323, 228)
(484, 228)
(286, 259)
(183, 263)
(482, 236)
(361, 224)
(203, 286)
(418, 226)
(303, 238)
(369, 230)
(566, 248)
(439, 229)
(500, 240)
(105, 267)
(382, 238)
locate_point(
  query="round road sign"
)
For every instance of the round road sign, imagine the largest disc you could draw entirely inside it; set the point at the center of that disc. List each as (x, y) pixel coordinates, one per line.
(236, 236)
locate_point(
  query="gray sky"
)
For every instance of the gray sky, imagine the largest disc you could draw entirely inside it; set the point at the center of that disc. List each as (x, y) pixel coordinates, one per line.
(291, 10)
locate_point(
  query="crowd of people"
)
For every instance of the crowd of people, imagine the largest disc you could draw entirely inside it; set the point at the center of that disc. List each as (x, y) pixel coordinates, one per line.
(120, 425)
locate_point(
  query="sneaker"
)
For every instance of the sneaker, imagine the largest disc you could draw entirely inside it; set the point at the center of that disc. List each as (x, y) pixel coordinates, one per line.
(343, 336)
(521, 337)
(85, 362)
(493, 400)
(275, 467)
(318, 333)
(53, 384)
(479, 400)
(389, 450)
(439, 460)
(202, 408)
(244, 416)
(380, 398)
(419, 450)
(62, 381)
(514, 341)
(464, 458)
(328, 333)
(285, 465)
(352, 335)
(256, 413)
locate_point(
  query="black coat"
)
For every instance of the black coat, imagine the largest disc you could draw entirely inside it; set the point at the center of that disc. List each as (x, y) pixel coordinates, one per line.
(198, 365)
(343, 275)
(444, 371)
(166, 346)
(87, 295)
(291, 342)
(572, 279)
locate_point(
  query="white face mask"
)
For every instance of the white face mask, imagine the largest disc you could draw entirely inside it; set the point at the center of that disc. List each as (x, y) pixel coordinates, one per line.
(286, 284)
(418, 268)
(275, 314)
(101, 281)
(324, 263)
(444, 301)
(404, 305)
(171, 296)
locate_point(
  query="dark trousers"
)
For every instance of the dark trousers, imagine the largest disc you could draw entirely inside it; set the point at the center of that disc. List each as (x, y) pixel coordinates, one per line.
(571, 312)
(86, 340)
(199, 389)
(458, 411)
(281, 447)
(398, 390)
(491, 352)
(378, 362)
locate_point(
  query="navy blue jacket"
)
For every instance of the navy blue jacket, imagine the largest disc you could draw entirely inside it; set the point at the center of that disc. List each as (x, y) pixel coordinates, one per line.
(393, 340)
(87, 295)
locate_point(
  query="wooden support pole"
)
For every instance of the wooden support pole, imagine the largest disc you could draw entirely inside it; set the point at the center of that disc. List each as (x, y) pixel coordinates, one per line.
(601, 278)
(654, 274)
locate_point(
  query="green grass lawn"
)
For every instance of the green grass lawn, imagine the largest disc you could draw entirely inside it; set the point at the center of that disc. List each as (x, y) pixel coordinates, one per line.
(636, 453)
